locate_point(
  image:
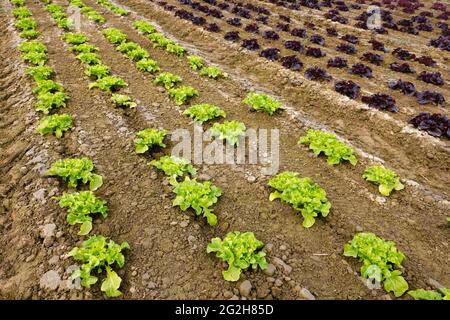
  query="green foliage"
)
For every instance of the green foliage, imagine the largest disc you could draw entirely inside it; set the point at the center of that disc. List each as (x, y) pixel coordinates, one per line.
(240, 251)
(147, 65)
(97, 71)
(123, 101)
(75, 170)
(32, 46)
(59, 15)
(40, 73)
(387, 179)
(196, 62)
(199, 196)
(159, 40)
(99, 253)
(29, 34)
(21, 12)
(175, 49)
(45, 86)
(36, 58)
(302, 194)
(182, 94)
(133, 51)
(144, 27)
(92, 15)
(89, 58)
(212, 72)
(84, 48)
(167, 79)
(329, 144)
(149, 138)
(262, 102)
(421, 294)
(75, 38)
(77, 3)
(48, 101)
(113, 8)
(230, 131)
(174, 167)
(204, 112)
(64, 23)
(80, 206)
(114, 35)
(18, 3)
(55, 124)
(26, 24)
(109, 83)
(379, 258)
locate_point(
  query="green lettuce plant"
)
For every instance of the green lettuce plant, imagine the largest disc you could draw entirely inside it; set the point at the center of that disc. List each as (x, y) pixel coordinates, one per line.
(329, 144)
(36, 58)
(76, 170)
(421, 294)
(21, 12)
(230, 131)
(182, 94)
(167, 79)
(149, 138)
(48, 101)
(98, 254)
(175, 49)
(84, 48)
(147, 65)
(240, 251)
(109, 83)
(174, 167)
(75, 38)
(29, 34)
(89, 58)
(55, 124)
(204, 112)
(199, 196)
(379, 259)
(196, 62)
(97, 71)
(92, 15)
(212, 72)
(115, 36)
(123, 101)
(386, 179)
(262, 102)
(144, 27)
(45, 86)
(40, 73)
(302, 194)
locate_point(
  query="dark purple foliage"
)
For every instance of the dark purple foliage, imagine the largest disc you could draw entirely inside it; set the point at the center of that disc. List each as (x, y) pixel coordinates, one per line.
(294, 45)
(317, 39)
(232, 36)
(409, 30)
(439, 6)
(270, 54)
(251, 44)
(291, 62)
(234, 22)
(283, 27)
(263, 19)
(297, 32)
(405, 87)
(378, 46)
(332, 32)
(401, 67)
(425, 27)
(337, 62)
(252, 28)
(431, 77)
(199, 21)
(347, 88)
(373, 58)
(426, 97)
(381, 101)
(426, 60)
(442, 42)
(350, 38)
(405, 23)
(437, 125)
(403, 54)
(315, 52)
(272, 35)
(213, 27)
(346, 48)
(310, 25)
(317, 74)
(361, 70)
(285, 18)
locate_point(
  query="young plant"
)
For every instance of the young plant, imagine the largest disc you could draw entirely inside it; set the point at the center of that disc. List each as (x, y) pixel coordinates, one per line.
(109, 83)
(40, 73)
(137, 54)
(212, 72)
(159, 40)
(89, 58)
(387, 179)
(199, 196)
(46, 86)
(204, 112)
(329, 144)
(196, 62)
(21, 12)
(48, 101)
(84, 48)
(167, 79)
(262, 102)
(302, 194)
(75, 38)
(75, 170)
(98, 254)
(55, 124)
(147, 65)
(93, 15)
(230, 131)
(149, 138)
(174, 167)
(32, 46)
(97, 71)
(36, 58)
(18, 3)
(421, 294)
(115, 36)
(80, 206)
(144, 27)
(29, 34)
(175, 49)
(123, 101)
(240, 251)
(26, 24)
(379, 259)
(182, 94)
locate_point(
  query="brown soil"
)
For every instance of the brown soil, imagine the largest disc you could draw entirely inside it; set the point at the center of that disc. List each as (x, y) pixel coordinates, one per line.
(168, 259)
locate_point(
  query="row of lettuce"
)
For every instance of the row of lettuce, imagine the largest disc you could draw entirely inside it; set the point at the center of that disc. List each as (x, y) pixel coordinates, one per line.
(240, 250)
